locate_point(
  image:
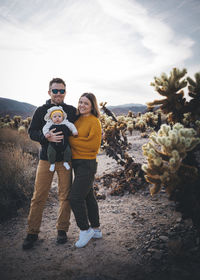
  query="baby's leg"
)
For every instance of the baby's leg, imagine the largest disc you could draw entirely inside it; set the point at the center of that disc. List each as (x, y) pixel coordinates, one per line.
(51, 153)
(67, 157)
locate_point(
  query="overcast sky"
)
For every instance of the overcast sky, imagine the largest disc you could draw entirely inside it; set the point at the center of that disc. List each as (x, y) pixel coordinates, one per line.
(112, 48)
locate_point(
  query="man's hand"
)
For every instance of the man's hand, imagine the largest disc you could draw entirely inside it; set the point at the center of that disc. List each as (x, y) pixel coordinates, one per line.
(52, 136)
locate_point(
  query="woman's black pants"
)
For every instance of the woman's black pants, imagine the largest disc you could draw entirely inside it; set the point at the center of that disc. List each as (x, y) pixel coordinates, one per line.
(82, 198)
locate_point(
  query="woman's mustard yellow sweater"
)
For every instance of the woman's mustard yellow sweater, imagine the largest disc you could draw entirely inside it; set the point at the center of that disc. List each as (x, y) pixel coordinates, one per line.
(87, 144)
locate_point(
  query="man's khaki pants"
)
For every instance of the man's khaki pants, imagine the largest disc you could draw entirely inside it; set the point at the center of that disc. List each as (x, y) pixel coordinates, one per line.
(43, 182)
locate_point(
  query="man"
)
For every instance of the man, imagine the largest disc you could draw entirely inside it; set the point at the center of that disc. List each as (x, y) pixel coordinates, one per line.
(57, 92)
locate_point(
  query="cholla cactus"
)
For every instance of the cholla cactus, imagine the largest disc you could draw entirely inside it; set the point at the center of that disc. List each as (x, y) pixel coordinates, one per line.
(194, 93)
(115, 144)
(165, 153)
(17, 121)
(21, 129)
(114, 137)
(7, 119)
(141, 125)
(29, 119)
(197, 124)
(26, 123)
(187, 118)
(107, 111)
(171, 87)
(130, 114)
(147, 120)
(130, 127)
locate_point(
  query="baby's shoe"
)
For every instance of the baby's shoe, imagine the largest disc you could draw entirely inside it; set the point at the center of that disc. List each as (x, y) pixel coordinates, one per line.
(52, 167)
(66, 165)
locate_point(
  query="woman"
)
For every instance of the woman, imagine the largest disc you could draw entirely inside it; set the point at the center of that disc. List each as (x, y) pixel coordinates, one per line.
(84, 151)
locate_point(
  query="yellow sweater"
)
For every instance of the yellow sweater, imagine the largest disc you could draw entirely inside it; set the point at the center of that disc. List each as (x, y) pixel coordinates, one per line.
(87, 144)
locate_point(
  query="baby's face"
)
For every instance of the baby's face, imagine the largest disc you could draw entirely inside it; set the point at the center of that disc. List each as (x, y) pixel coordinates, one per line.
(57, 117)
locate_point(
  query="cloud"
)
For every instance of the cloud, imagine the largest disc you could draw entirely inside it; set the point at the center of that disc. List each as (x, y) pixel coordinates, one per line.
(113, 48)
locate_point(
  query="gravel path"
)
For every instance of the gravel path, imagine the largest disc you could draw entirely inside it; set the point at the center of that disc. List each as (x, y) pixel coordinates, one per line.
(143, 238)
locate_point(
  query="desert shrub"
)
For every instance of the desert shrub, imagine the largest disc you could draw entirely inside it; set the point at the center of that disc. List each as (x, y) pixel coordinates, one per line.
(17, 173)
(19, 140)
(115, 144)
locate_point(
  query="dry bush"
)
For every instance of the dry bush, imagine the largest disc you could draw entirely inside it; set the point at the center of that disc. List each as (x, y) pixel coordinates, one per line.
(17, 173)
(20, 140)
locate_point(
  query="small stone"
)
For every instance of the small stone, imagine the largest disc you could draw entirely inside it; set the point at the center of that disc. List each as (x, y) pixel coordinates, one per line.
(130, 249)
(163, 238)
(133, 214)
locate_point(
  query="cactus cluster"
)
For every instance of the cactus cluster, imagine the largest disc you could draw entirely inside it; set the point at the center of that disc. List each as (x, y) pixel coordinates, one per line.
(148, 120)
(172, 89)
(165, 153)
(173, 154)
(116, 145)
(140, 122)
(115, 141)
(16, 123)
(175, 105)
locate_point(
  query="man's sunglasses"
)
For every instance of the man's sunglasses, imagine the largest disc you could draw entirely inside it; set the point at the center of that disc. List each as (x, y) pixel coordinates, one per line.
(55, 91)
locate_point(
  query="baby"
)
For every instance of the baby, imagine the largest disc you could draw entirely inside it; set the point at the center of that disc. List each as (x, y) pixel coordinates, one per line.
(57, 118)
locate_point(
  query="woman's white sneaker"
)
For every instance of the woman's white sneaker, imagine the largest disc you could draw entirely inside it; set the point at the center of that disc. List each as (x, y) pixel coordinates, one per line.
(84, 237)
(97, 233)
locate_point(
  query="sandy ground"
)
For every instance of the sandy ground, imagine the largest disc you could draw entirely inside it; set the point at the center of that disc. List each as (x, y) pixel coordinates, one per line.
(143, 238)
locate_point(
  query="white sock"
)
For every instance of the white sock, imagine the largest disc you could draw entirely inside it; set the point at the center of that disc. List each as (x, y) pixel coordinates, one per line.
(66, 165)
(52, 167)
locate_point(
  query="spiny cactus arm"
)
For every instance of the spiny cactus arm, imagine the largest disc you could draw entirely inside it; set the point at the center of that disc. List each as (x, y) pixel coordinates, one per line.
(155, 189)
(156, 102)
(162, 91)
(169, 86)
(188, 168)
(161, 84)
(156, 182)
(163, 156)
(192, 83)
(107, 111)
(177, 74)
(194, 86)
(172, 184)
(194, 142)
(152, 170)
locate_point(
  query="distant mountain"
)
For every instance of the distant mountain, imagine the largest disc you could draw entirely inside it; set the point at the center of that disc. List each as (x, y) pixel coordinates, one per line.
(12, 107)
(123, 109)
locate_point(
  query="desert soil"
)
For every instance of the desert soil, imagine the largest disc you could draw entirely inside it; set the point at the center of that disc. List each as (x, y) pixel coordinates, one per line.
(143, 238)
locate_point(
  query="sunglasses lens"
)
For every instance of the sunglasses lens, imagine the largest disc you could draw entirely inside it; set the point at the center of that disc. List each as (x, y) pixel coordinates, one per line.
(55, 91)
(62, 91)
